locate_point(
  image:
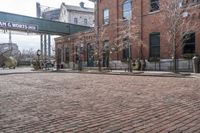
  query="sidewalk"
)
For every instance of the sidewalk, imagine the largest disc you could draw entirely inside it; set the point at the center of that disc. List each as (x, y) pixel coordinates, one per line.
(134, 73)
(196, 75)
(105, 72)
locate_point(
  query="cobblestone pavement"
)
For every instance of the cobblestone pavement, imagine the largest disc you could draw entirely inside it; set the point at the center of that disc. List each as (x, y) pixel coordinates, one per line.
(66, 102)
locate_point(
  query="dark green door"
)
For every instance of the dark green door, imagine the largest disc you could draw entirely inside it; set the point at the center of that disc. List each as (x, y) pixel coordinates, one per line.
(106, 53)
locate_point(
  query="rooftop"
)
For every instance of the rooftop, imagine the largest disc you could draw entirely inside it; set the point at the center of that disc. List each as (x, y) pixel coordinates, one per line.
(80, 8)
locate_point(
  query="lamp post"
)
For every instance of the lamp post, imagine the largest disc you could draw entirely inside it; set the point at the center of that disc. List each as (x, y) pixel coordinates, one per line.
(38, 55)
(81, 57)
(129, 49)
(129, 45)
(114, 49)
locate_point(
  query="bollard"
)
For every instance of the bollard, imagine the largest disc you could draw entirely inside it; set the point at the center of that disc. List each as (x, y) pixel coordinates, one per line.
(195, 64)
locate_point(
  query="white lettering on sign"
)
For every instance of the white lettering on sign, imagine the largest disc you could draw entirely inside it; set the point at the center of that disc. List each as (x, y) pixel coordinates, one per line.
(13, 25)
(2, 24)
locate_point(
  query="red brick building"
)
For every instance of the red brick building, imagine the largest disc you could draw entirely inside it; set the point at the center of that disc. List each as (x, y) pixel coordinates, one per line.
(134, 29)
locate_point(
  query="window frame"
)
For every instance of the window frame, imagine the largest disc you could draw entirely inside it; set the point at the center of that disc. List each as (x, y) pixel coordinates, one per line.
(67, 55)
(153, 46)
(150, 6)
(191, 2)
(106, 53)
(85, 21)
(75, 20)
(106, 19)
(127, 11)
(125, 50)
(189, 43)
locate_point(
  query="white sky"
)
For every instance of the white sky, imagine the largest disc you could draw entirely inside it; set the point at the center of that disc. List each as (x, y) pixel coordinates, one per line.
(28, 8)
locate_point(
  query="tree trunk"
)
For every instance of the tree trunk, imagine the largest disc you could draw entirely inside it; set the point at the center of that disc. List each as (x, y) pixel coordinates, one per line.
(99, 64)
(174, 53)
(130, 66)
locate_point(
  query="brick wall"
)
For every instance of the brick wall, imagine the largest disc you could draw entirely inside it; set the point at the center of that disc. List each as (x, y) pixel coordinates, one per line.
(146, 22)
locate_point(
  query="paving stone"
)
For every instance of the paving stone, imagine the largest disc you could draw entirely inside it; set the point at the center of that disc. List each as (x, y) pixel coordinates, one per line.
(89, 103)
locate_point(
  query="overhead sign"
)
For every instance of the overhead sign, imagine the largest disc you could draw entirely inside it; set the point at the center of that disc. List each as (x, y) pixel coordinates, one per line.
(17, 26)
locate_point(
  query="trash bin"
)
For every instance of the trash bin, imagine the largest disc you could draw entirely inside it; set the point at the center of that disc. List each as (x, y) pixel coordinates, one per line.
(195, 63)
(61, 66)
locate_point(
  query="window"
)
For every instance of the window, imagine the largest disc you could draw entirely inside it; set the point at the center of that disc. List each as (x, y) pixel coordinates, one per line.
(155, 44)
(190, 2)
(181, 2)
(105, 16)
(125, 51)
(106, 45)
(127, 9)
(66, 55)
(76, 20)
(59, 56)
(85, 21)
(154, 5)
(76, 54)
(189, 43)
(90, 55)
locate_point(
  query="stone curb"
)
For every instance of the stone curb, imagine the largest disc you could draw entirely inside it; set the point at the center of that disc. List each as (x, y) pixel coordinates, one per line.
(179, 75)
(139, 73)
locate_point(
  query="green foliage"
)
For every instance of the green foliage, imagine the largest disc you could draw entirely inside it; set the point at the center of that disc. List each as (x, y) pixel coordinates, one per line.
(36, 64)
(9, 62)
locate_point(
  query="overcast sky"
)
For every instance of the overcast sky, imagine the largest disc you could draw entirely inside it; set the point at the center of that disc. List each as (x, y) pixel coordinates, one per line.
(28, 8)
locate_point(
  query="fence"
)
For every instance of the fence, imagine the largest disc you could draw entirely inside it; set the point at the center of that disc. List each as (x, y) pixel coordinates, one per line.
(183, 65)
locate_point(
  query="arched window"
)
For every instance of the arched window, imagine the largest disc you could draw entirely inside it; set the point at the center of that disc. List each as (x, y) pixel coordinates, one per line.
(154, 5)
(106, 16)
(127, 9)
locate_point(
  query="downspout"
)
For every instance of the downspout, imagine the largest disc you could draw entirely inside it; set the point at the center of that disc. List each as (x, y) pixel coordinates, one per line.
(97, 36)
(141, 30)
(117, 28)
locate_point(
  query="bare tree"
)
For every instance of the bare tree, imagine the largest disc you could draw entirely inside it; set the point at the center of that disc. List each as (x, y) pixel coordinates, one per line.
(175, 13)
(100, 48)
(130, 35)
(27, 55)
(79, 50)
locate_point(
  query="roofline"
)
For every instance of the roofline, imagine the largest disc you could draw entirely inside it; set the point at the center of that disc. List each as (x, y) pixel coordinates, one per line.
(92, 0)
(81, 11)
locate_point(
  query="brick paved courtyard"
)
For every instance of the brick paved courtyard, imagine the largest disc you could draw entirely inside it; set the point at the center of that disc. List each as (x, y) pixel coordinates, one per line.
(64, 102)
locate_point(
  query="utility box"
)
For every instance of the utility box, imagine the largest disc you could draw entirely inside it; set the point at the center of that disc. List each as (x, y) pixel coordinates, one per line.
(195, 63)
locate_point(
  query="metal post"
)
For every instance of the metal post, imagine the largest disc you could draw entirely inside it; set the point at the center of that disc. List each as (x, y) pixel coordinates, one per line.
(129, 46)
(73, 57)
(45, 47)
(49, 47)
(41, 45)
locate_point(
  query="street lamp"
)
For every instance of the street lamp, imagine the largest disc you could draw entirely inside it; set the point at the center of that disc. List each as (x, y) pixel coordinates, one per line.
(38, 54)
(81, 56)
(129, 45)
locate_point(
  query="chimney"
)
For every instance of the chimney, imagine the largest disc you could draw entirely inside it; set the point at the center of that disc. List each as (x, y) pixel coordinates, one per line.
(82, 4)
(38, 10)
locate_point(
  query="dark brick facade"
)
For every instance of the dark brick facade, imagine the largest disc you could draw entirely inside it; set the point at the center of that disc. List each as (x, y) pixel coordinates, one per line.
(146, 22)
